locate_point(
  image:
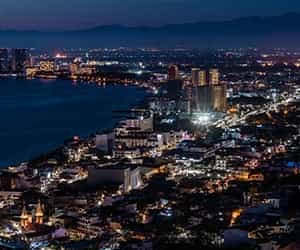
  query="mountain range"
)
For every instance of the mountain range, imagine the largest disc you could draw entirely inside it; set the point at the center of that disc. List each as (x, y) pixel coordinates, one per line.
(272, 31)
(289, 22)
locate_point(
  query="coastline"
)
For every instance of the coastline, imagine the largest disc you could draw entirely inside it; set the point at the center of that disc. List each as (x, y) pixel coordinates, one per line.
(92, 131)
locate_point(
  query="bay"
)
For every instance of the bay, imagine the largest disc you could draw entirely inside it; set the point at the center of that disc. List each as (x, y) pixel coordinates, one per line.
(36, 116)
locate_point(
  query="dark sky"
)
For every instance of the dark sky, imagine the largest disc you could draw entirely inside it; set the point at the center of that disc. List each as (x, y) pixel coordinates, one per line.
(73, 14)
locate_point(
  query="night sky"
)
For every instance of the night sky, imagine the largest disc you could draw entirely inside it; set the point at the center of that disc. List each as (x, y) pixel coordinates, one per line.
(74, 14)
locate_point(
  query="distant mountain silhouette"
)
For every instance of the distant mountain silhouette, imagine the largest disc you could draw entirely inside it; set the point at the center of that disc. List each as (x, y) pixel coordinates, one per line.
(257, 31)
(289, 22)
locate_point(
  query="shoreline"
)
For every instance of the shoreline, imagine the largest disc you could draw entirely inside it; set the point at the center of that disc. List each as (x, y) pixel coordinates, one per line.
(90, 134)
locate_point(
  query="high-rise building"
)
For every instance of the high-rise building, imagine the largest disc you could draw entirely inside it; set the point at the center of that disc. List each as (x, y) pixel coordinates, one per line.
(219, 97)
(214, 76)
(218, 91)
(195, 76)
(173, 73)
(202, 92)
(208, 97)
(20, 59)
(203, 78)
(4, 61)
(199, 77)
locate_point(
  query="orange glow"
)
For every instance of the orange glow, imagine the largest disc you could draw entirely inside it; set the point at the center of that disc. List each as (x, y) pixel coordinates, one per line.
(233, 110)
(235, 214)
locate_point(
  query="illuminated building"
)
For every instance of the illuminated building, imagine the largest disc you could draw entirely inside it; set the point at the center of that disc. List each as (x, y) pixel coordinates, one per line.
(208, 97)
(140, 123)
(89, 226)
(199, 77)
(173, 73)
(9, 180)
(195, 76)
(202, 91)
(134, 133)
(75, 68)
(202, 78)
(214, 76)
(4, 61)
(31, 72)
(24, 218)
(39, 215)
(47, 66)
(219, 97)
(20, 59)
(87, 70)
(235, 215)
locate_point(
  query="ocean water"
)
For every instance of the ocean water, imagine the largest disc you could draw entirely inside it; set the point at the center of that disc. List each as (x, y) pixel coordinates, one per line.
(36, 116)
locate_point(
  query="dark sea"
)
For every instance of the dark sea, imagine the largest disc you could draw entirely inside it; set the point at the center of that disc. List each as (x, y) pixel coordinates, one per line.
(36, 116)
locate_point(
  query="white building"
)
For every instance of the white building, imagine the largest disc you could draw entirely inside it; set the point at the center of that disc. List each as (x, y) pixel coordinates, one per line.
(127, 176)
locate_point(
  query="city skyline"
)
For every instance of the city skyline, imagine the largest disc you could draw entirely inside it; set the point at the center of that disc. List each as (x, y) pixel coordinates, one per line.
(51, 15)
(119, 148)
(150, 125)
